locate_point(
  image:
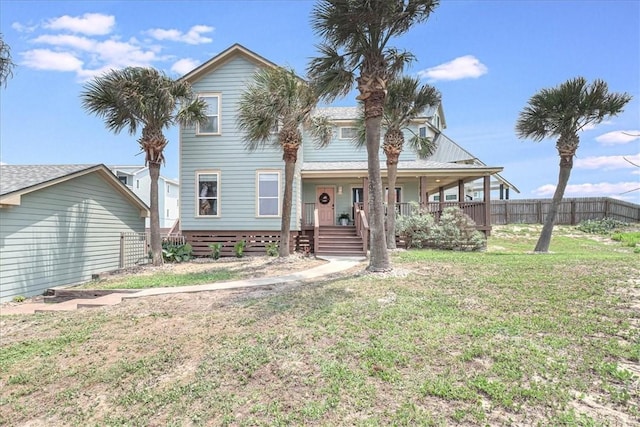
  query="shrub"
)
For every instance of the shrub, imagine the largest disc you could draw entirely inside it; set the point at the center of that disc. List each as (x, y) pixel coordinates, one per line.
(172, 252)
(599, 226)
(416, 230)
(238, 248)
(454, 231)
(457, 231)
(19, 298)
(272, 248)
(216, 250)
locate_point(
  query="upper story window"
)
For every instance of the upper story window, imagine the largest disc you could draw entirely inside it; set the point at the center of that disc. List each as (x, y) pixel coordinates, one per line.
(422, 131)
(123, 179)
(208, 185)
(348, 132)
(268, 193)
(212, 126)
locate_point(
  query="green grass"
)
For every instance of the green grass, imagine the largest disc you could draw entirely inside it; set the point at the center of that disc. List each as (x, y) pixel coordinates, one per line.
(161, 280)
(502, 337)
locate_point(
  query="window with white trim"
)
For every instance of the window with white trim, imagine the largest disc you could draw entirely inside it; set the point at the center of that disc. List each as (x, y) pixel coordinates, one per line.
(348, 132)
(207, 199)
(268, 193)
(422, 131)
(212, 125)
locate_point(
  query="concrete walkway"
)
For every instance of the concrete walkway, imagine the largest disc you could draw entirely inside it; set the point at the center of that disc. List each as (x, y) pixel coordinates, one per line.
(335, 265)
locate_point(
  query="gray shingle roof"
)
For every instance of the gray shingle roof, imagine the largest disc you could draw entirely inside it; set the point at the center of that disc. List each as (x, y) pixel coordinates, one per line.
(19, 177)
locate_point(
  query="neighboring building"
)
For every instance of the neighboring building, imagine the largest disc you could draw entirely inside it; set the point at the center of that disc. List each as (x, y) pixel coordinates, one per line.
(137, 178)
(61, 224)
(230, 194)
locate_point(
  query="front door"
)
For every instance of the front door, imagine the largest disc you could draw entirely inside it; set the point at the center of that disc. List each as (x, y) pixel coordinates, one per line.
(325, 202)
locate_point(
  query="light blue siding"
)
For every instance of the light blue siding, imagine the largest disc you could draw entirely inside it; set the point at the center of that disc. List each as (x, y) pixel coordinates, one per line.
(63, 234)
(344, 150)
(226, 153)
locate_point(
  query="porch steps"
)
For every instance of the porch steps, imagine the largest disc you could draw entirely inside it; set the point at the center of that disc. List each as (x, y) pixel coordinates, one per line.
(339, 240)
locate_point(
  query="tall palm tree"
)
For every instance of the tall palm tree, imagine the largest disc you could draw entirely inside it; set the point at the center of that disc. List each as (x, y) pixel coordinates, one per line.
(6, 64)
(406, 100)
(356, 35)
(136, 97)
(279, 101)
(562, 112)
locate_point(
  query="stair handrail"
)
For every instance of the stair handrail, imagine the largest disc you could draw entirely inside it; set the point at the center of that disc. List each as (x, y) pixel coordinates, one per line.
(316, 230)
(362, 226)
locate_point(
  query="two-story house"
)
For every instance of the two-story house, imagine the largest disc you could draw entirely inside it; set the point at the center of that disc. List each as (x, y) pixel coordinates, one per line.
(137, 179)
(229, 194)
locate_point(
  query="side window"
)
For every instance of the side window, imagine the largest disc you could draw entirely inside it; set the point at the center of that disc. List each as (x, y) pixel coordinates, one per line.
(208, 187)
(268, 193)
(348, 132)
(212, 126)
(422, 131)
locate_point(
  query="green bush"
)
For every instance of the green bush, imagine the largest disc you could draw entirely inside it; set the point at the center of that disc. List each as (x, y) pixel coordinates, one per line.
(416, 230)
(272, 248)
(454, 231)
(630, 239)
(216, 250)
(19, 298)
(238, 248)
(172, 252)
(457, 231)
(599, 226)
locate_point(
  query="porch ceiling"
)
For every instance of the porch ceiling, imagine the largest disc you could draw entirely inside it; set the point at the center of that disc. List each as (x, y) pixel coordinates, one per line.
(438, 174)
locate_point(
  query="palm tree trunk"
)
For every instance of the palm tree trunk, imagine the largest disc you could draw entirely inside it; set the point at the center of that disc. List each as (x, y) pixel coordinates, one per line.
(392, 173)
(285, 229)
(154, 220)
(566, 164)
(379, 257)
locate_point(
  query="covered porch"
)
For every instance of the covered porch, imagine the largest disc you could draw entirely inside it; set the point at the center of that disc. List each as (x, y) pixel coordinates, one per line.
(337, 190)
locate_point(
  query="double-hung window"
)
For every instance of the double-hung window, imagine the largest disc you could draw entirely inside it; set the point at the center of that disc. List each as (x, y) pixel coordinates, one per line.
(212, 125)
(207, 199)
(268, 184)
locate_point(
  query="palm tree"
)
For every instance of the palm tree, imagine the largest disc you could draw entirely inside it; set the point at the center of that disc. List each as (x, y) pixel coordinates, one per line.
(406, 100)
(279, 101)
(136, 97)
(562, 112)
(356, 35)
(6, 64)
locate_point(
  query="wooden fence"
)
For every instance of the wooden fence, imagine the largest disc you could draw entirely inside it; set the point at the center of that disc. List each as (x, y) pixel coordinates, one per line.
(571, 212)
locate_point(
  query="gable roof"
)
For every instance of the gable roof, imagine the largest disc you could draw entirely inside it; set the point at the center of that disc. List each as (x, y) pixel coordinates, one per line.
(235, 50)
(17, 180)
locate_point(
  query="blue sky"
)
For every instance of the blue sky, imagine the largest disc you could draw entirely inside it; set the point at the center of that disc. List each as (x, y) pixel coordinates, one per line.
(486, 57)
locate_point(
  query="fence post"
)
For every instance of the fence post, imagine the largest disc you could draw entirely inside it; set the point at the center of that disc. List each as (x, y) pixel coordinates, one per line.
(573, 212)
(539, 205)
(606, 208)
(506, 212)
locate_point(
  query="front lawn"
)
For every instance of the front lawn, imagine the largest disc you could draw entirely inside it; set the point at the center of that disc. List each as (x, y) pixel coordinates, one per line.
(502, 337)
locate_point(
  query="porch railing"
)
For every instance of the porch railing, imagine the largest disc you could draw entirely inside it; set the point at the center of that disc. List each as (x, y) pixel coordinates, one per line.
(476, 210)
(308, 213)
(362, 225)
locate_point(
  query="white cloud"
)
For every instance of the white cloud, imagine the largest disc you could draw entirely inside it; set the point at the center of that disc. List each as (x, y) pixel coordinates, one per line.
(588, 189)
(44, 59)
(460, 68)
(618, 137)
(21, 28)
(95, 24)
(607, 162)
(193, 36)
(76, 42)
(183, 66)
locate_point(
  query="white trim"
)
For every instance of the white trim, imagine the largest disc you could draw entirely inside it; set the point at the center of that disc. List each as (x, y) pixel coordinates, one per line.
(217, 196)
(257, 192)
(219, 116)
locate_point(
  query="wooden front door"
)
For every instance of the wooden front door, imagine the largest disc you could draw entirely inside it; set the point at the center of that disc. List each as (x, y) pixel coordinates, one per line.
(325, 200)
